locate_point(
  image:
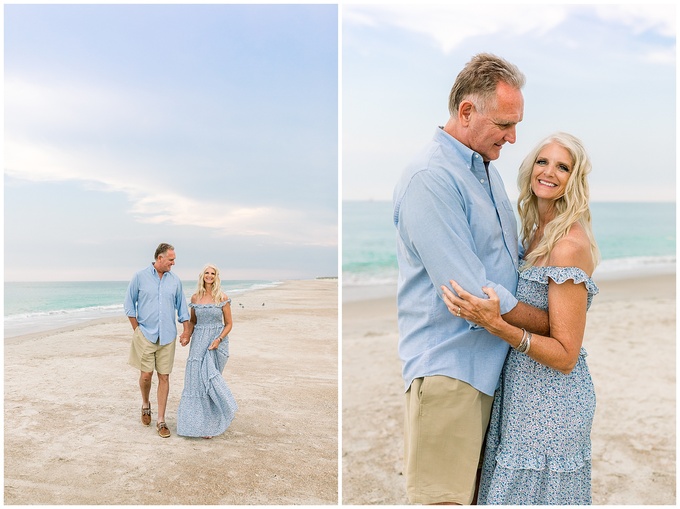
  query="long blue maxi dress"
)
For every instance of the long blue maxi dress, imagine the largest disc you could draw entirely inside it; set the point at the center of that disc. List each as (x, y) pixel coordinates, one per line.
(207, 406)
(538, 443)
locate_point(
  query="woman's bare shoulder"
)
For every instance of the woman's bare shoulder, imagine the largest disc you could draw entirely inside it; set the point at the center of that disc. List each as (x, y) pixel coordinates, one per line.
(573, 250)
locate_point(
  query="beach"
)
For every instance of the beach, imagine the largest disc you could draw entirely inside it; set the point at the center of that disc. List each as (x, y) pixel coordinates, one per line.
(72, 413)
(630, 339)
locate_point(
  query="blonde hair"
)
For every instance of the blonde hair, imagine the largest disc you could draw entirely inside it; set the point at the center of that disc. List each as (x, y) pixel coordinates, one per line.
(572, 207)
(216, 287)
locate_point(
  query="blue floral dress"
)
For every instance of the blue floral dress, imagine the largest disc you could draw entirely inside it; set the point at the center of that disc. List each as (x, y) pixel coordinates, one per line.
(207, 406)
(538, 442)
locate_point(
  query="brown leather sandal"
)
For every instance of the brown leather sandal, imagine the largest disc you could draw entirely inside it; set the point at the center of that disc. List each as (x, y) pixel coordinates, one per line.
(163, 430)
(146, 415)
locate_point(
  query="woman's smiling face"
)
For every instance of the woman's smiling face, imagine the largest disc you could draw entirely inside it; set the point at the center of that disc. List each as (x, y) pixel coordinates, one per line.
(552, 170)
(209, 275)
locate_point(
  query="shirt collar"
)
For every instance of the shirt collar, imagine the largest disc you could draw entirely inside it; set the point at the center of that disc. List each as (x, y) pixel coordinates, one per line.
(467, 154)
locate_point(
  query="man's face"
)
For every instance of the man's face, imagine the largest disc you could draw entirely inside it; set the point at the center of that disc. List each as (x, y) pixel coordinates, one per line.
(490, 130)
(165, 261)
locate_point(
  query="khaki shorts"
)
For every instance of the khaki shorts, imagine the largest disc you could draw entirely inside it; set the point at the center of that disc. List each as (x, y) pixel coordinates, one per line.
(147, 356)
(445, 424)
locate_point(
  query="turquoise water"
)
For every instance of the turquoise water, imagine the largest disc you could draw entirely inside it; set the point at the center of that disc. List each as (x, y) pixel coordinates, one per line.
(632, 237)
(32, 299)
(36, 306)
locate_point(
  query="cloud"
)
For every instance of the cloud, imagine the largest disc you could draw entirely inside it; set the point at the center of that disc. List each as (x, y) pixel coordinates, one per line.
(666, 57)
(659, 19)
(64, 106)
(151, 203)
(287, 226)
(450, 25)
(161, 202)
(97, 135)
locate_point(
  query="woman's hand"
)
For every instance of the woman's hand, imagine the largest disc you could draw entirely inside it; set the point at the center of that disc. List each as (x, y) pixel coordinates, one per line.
(216, 342)
(484, 312)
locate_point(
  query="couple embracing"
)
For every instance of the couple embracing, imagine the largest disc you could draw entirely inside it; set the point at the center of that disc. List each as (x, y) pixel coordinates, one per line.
(483, 313)
(154, 302)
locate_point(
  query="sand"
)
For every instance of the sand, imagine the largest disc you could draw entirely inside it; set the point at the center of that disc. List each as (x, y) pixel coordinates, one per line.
(630, 338)
(72, 413)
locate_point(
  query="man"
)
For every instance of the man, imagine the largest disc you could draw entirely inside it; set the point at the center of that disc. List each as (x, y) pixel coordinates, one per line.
(454, 221)
(152, 297)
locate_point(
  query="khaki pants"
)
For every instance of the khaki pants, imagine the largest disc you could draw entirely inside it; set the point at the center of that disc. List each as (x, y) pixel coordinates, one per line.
(149, 357)
(445, 424)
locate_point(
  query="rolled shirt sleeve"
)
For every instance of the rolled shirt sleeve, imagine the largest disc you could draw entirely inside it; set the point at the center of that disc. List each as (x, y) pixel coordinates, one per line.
(181, 305)
(130, 302)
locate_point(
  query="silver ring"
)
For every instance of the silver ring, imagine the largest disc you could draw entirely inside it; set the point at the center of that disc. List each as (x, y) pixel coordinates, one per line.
(458, 314)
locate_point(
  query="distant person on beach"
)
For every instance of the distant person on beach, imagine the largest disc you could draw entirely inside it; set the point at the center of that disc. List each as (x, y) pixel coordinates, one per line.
(207, 406)
(453, 216)
(153, 296)
(538, 444)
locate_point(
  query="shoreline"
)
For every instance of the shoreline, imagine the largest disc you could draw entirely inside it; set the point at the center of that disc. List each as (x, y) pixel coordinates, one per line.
(383, 289)
(612, 286)
(630, 340)
(72, 413)
(71, 321)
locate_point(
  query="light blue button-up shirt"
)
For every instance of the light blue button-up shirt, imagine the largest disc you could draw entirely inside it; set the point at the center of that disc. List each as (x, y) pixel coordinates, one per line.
(153, 301)
(454, 221)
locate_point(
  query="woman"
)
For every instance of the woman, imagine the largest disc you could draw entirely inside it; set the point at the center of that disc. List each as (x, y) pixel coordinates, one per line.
(207, 405)
(538, 442)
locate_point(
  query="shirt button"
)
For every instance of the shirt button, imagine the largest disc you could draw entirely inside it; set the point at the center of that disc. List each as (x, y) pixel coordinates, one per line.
(481, 180)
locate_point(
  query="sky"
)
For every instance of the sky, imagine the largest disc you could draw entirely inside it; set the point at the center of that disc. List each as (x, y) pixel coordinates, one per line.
(605, 73)
(211, 127)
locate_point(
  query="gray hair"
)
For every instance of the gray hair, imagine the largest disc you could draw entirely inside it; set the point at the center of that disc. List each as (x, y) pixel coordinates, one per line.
(162, 249)
(480, 77)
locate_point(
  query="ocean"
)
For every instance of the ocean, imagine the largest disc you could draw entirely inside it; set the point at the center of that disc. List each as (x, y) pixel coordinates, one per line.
(634, 238)
(37, 306)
